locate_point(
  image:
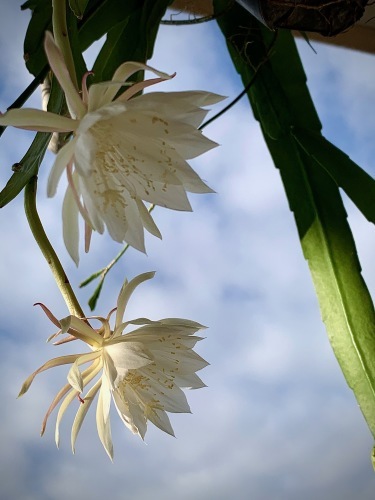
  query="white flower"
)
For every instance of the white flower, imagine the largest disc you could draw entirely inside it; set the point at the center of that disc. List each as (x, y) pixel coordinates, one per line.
(143, 370)
(124, 151)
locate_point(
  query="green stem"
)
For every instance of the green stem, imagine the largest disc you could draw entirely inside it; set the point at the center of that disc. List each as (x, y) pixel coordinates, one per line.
(47, 250)
(60, 33)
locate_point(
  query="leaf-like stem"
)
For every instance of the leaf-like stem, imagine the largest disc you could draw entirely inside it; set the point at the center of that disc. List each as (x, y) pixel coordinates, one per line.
(61, 35)
(47, 250)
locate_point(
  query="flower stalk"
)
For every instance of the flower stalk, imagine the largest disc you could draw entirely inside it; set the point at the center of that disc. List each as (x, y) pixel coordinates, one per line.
(47, 249)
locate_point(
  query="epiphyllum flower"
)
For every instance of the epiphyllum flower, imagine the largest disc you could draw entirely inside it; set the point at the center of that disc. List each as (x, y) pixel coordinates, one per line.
(124, 151)
(142, 370)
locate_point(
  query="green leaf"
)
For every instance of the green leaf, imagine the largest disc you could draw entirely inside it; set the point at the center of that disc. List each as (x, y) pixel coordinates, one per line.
(78, 7)
(40, 22)
(132, 39)
(313, 195)
(30, 163)
(357, 184)
(102, 15)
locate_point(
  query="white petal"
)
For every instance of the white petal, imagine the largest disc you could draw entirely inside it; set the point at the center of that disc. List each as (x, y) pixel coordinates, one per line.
(191, 381)
(70, 225)
(82, 411)
(161, 420)
(122, 357)
(194, 97)
(84, 154)
(36, 119)
(58, 66)
(147, 220)
(88, 196)
(169, 107)
(125, 294)
(160, 389)
(62, 159)
(109, 202)
(183, 324)
(192, 145)
(104, 113)
(74, 376)
(102, 418)
(63, 407)
(181, 363)
(130, 411)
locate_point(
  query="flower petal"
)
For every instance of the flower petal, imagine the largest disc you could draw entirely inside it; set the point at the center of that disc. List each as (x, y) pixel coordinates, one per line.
(75, 378)
(102, 417)
(36, 119)
(147, 220)
(130, 411)
(58, 66)
(123, 356)
(63, 407)
(63, 157)
(70, 225)
(82, 411)
(62, 360)
(161, 420)
(125, 294)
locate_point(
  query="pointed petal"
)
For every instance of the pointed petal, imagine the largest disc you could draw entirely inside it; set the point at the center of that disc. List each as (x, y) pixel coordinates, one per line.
(102, 417)
(161, 420)
(192, 145)
(63, 407)
(62, 360)
(183, 324)
(130, 411)
(124, 296)
(58, 66)
(82, 411)
(36, 119)
(70, 225)
(147, 220)
(75, 378)
(189, 381)
(64, 156)
(56, 400)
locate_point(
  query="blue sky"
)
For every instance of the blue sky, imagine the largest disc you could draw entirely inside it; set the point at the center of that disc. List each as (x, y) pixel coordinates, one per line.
(277, 419)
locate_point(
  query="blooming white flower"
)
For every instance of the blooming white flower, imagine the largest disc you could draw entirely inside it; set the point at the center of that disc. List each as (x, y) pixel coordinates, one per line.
(125, 150)
(143, 370)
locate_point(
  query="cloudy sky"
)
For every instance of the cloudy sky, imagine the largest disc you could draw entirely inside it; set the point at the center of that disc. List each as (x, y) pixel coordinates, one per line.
(277, 420)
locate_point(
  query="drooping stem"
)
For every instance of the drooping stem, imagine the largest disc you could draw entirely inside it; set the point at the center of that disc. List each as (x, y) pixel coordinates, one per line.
(60, 33)
(47, 250)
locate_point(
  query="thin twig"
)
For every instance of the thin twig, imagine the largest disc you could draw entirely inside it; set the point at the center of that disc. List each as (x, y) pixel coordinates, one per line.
(245, 90)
